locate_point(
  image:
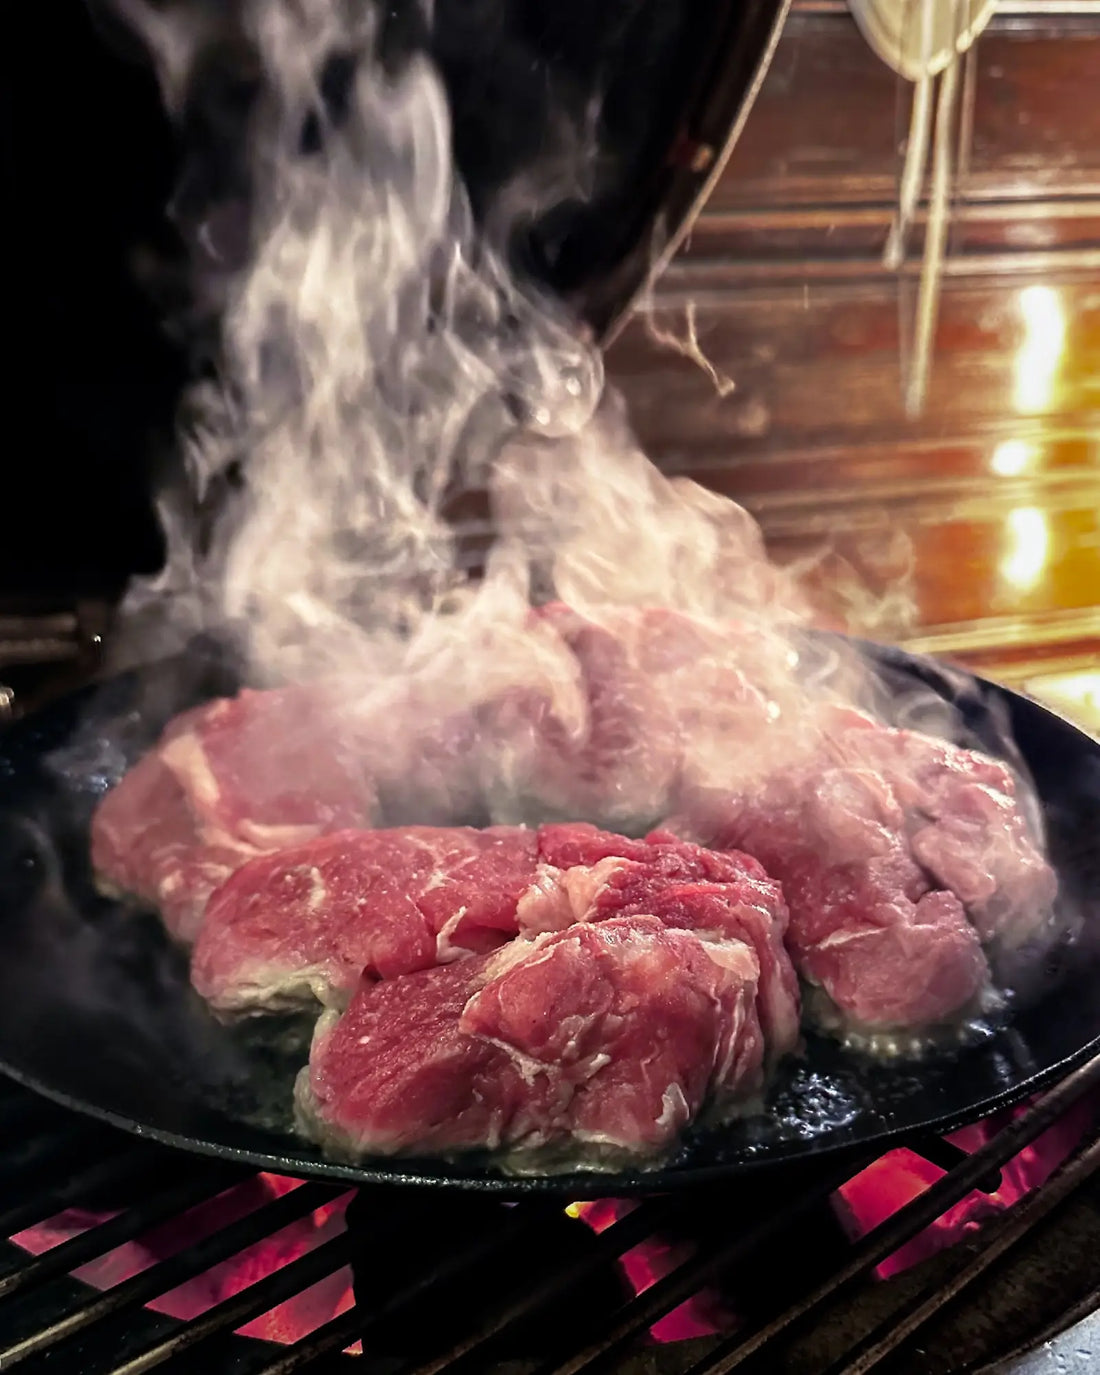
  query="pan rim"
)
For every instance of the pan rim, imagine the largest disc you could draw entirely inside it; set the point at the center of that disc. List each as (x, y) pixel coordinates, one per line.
(579, 1187)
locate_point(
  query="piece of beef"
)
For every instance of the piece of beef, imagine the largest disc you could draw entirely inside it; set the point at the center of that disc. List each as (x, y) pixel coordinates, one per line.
(865, 925)
(229, 780)
(900, 855)
(590, 1046)
(621, 706)
(304, 923)
(269, 769)
(964, 824)
(591, 875)
(301, 924)
(395, 1074)
(624, 762)
(145, 843)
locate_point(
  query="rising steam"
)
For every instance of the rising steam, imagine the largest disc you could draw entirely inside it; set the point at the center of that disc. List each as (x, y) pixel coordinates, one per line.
(378, 361)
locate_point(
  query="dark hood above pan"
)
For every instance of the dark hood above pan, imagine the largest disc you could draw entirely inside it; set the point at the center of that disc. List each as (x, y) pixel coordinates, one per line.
(590, 130)
(584, 133)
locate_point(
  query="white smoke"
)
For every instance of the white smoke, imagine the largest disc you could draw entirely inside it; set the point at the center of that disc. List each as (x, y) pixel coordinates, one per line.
(380, 367)
(379, 360)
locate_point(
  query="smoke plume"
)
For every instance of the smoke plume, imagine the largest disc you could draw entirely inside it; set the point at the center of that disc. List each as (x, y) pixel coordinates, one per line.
(379, 362)
(404, 447)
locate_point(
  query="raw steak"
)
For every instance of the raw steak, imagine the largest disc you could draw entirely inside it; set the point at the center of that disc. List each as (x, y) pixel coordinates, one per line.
(144, 842)
(269, 769)
(603, 718)
(591, 875)
(865, 926)
(584, 1047)
(623, 762)
(227, 781)
(305, 922)
(900, 857)
(665, 695)
(964, 825)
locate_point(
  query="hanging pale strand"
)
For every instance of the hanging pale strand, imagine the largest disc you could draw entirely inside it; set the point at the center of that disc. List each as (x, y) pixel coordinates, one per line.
(935, 243)
(923, 41)
(912, 173)
(916, 147)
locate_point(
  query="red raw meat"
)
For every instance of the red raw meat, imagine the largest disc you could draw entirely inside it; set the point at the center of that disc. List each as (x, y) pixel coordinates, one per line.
(305, 922)
(226, 782)
(864, 925)
(269, 769)
(900, 855)
(964, 826)
(144, 842)
(649, 698)
(625, 763)
(588, 1046)
(591, 875)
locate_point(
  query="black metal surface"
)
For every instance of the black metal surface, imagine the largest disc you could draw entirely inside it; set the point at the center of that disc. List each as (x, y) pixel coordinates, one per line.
(452, 1283)
(92, 162)
(901, 1227)
(97, 1012)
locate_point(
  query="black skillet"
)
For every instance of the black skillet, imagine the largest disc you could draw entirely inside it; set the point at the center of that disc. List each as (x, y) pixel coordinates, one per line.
(96, 1010)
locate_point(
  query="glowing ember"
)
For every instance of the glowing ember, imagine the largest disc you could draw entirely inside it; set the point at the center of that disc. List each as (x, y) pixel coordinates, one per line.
(899, 1176)
(865, 1201)
(287, 1322)
(644, 1264)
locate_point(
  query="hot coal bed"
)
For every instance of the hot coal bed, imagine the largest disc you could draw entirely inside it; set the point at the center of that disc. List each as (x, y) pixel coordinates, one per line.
(939, 1256)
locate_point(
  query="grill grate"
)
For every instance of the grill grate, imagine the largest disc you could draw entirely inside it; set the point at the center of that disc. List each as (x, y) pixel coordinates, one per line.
(445, 1283)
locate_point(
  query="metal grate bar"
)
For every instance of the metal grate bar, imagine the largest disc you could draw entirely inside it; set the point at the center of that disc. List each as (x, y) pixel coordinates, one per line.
(945, 1155)
(168, 1274)
(668, 1293)
(144, 1214)
(31, 627)
(878, 1344)
(47, 1202)
(885, 1239)
(241, 1308)
(617, 1239)
(360, 1322)
(1082, 1309)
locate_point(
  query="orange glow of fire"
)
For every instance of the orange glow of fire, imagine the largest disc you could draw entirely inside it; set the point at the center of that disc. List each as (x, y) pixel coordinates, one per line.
(700, 1316)
(900, 1176)
(287, 1322)
(865, 1201)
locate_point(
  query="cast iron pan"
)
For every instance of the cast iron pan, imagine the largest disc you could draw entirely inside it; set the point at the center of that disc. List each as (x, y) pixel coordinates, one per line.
(97, 1013)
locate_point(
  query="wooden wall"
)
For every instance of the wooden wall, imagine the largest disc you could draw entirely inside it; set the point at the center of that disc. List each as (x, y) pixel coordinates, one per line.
(985, 512)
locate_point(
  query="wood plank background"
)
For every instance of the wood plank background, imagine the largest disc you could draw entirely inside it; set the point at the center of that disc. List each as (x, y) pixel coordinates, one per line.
(975, 529)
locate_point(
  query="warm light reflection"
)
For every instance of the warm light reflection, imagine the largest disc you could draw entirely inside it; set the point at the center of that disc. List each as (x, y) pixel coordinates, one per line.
(1076, 695)
(1040, 354)
(1029, 541)
(1011, 457)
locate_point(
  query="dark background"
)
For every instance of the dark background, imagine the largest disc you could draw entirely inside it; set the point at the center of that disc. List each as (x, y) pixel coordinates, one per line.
(89, 162)
(94, 265)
